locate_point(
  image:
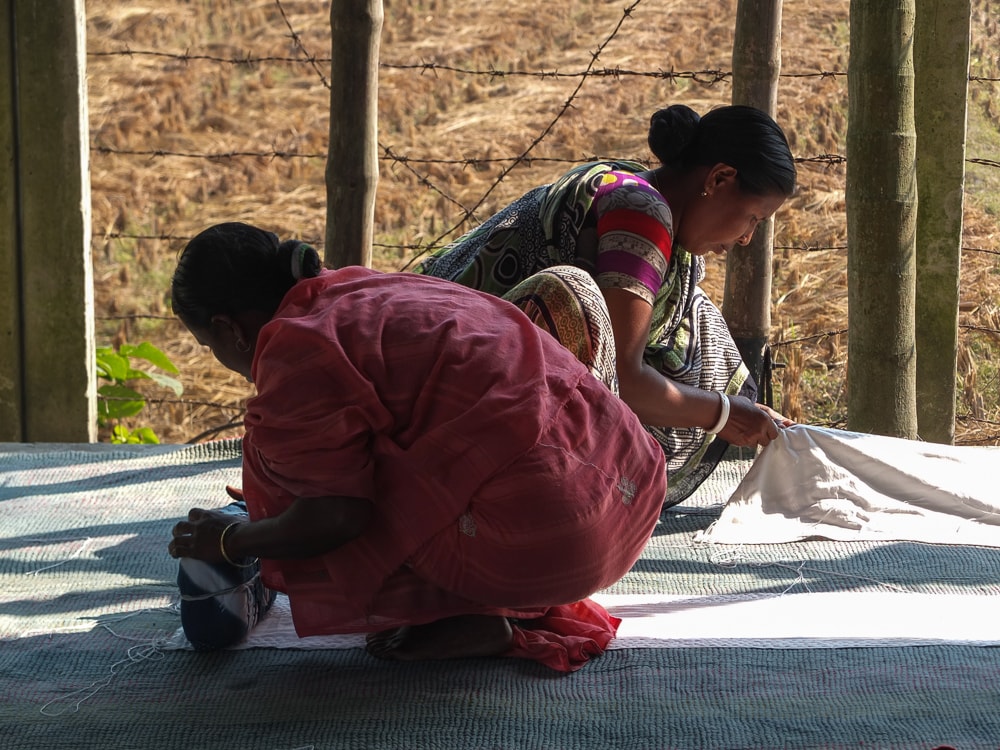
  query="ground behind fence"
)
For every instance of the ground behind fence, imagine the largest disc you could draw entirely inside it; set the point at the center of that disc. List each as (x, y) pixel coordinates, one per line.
(204, 112)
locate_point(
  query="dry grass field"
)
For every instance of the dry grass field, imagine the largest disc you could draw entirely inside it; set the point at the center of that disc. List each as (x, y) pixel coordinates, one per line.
(210, 110)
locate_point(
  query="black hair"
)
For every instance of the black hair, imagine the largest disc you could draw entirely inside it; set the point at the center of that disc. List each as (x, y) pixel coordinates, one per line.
(233, 268)
(745, 138)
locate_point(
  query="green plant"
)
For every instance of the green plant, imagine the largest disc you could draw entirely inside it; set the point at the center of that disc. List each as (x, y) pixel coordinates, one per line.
(118, 400)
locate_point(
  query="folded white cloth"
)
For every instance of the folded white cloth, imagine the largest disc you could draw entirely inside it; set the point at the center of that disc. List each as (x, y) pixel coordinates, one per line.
(814, 482)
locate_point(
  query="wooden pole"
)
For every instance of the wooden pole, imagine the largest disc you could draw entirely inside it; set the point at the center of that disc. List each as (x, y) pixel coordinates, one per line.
(941, 64)
(11, 385)
(48, 389)
(747, 297)
(352, 162)
(881, 220)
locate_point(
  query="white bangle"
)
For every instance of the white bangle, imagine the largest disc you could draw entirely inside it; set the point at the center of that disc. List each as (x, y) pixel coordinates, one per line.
(723, 416)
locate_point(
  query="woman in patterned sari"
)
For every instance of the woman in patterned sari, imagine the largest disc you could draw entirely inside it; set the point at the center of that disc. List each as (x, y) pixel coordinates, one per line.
(642, 234)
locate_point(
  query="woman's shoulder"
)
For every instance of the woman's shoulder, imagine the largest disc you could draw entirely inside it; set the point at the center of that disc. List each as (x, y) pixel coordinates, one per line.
(590, 170)
(582, 183)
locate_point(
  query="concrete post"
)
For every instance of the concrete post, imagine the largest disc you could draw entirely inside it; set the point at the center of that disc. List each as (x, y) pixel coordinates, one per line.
(47, 369)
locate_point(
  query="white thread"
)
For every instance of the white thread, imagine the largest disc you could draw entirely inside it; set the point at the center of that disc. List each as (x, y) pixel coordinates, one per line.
(74, 556)
(145, 650)
(213, 594)
(578, 459)
(723, 416)
(738, 556)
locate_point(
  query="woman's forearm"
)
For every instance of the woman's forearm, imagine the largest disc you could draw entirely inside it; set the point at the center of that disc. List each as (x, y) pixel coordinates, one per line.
(661, 402)
(310, 526)
(655, 399)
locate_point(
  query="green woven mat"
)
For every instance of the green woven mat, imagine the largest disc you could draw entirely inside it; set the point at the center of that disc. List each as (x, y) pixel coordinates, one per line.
(87, 593)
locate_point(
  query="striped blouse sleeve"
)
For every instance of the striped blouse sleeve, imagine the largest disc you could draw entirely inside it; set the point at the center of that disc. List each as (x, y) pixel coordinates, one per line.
(635, 235)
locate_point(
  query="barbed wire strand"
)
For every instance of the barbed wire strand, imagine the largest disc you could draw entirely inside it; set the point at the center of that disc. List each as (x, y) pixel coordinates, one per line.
(251, 60)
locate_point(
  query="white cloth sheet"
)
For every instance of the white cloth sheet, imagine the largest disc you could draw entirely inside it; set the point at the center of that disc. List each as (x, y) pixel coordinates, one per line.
(830, 484)
(807, 620)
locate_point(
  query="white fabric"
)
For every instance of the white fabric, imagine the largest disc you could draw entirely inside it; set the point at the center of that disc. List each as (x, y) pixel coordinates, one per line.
(818, 483)
(822, 620)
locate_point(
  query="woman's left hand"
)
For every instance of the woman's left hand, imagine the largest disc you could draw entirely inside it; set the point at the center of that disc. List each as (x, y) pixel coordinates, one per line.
(751, 424)
(779, 419)
(199, 535)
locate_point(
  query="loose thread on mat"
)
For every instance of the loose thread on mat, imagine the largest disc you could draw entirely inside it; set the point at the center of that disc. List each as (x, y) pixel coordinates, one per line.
(732, 558)
(86, 541)
(134, 655)
(145, 650)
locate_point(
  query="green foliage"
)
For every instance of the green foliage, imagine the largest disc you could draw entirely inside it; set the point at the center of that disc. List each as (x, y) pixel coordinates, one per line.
(119, 400)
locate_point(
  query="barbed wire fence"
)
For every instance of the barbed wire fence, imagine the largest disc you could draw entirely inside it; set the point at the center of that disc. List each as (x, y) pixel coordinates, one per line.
(419, 167)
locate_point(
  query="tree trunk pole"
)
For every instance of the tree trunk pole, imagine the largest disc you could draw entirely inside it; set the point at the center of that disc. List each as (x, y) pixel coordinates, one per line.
(747, 297)
(941, 64)
(352, 161)
(881, 219)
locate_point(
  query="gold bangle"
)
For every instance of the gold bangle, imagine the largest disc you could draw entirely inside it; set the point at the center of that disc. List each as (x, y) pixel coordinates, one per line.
(222, 548)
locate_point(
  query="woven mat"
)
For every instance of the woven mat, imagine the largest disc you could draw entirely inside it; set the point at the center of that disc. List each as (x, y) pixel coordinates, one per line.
(88, 603)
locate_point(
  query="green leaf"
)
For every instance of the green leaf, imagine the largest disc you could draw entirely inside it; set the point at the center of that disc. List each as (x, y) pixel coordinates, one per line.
(151, 354)
(111, 365)
(117, 400)
(137, 374)
(146, 436)
(120, 401)
(168, 382)
(119, 435)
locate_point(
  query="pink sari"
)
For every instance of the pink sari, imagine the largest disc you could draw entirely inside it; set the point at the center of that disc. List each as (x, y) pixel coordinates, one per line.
(506, 479)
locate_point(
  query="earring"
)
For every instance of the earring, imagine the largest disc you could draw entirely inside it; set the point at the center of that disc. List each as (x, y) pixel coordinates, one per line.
(704, 193)
(242, 346)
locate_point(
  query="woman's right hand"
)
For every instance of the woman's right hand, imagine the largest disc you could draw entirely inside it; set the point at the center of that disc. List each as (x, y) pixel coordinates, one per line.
(200, 535)
(749, 424)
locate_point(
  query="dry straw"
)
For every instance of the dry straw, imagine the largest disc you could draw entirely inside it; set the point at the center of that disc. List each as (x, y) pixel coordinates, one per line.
(178, 102)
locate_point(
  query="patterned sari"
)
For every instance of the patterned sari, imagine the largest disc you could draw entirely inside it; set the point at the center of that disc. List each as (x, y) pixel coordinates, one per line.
(689, 340)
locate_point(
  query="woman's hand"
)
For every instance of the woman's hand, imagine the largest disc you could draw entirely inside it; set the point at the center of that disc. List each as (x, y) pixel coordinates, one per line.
(309, 526)
(751, 424)
(199, 535)
(779, 419)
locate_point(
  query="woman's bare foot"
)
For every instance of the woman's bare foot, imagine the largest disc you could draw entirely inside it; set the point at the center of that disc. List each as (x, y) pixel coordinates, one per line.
(450, 638)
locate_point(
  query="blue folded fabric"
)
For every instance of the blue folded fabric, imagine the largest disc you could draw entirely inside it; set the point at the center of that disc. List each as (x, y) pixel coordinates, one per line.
(220, 603)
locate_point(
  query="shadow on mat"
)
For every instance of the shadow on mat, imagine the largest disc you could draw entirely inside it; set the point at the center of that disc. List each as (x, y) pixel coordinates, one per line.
(148, 475)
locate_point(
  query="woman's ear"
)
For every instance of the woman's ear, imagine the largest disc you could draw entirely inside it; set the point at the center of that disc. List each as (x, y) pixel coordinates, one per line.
(719, 176)
(227, 329)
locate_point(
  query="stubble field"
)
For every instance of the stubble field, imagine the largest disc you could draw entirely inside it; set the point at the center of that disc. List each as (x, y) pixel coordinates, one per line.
(216, 110)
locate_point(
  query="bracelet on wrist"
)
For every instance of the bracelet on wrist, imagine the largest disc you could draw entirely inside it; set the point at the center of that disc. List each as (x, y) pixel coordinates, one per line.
(222, 548)
(723, 416)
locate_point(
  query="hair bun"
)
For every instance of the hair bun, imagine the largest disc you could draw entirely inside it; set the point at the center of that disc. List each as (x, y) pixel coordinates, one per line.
(671, 132)
(302, 258)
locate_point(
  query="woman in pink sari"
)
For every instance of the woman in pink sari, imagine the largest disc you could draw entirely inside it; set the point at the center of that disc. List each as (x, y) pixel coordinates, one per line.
(421, 462)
